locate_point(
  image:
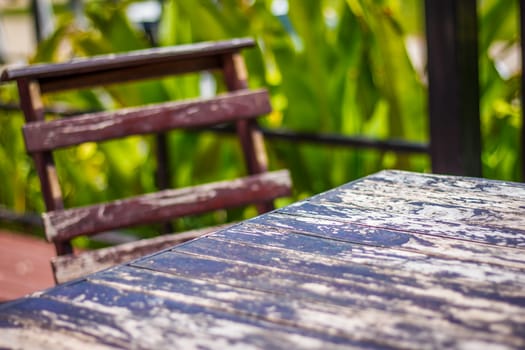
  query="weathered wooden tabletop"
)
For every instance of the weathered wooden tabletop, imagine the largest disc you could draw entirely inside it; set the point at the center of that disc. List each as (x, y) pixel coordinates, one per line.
(394, 260)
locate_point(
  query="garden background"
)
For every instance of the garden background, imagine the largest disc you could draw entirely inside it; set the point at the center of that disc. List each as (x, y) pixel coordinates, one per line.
(350, 67)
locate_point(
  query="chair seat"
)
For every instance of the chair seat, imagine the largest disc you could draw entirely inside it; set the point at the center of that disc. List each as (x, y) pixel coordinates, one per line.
(73, 266)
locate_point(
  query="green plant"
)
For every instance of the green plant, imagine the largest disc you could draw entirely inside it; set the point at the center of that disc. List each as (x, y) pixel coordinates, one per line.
(500, 88)
(331, 66)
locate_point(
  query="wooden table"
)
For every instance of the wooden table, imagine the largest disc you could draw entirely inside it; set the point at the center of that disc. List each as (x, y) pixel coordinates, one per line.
(394, 260)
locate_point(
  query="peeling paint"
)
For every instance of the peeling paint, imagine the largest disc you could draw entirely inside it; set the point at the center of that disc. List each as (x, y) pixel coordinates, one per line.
(398, 271)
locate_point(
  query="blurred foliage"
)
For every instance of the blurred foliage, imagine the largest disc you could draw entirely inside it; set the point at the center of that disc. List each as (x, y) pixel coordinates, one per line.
(319, 59)
(335, 66)
(500, 77)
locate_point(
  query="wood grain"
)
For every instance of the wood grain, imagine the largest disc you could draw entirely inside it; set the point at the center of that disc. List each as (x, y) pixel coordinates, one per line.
(458, 227)
(166, 205)
(43, 137)
(116, 75)
(140, 57)
(73, 266)
(113, 318)
(333, 271)
(347, 231)
(400, 312)
(50, 135)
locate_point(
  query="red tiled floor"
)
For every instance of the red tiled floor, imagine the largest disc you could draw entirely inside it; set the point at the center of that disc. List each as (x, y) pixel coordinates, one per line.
(24, 265)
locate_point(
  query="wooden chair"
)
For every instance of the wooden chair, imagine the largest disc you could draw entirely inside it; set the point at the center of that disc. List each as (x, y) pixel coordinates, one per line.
(239, 105)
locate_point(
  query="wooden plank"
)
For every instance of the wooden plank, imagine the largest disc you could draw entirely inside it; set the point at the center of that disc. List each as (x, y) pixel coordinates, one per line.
(457, 185)
(44, 136)
(385, 265)
(41, 322)
(391, 186)
(72, 266)
(165, 205)
(449, 248)
(427, 208)
(506, 279)
(217, 297)
(387, 309)
(117, 75)
(408, 223)
(137, 58)
(295, 311)
(290, 270)
(429, 205)
(97, 314)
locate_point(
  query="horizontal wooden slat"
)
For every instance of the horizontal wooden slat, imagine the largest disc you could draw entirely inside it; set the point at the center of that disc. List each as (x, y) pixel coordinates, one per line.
(44, 136)
(472, 192)
(100, 318)
(508, 279)
(72, 266)
(435, 205)
(124, 74)
(399, 193)
(459, 228)
(445, 247)
(382, 266)
(354, 318)
(65, 224)
(392, 305)
(118, 61)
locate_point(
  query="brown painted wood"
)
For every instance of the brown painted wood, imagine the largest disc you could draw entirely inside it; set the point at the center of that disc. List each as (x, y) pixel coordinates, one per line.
(62, 225)
(96, 64)
(31, 102)
(127, 74)
(250, 137)
(44, 136)
(32, 106)
(118, 68)
(332, 271)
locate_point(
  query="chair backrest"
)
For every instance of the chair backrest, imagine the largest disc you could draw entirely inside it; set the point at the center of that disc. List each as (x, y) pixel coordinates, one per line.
(239, 106)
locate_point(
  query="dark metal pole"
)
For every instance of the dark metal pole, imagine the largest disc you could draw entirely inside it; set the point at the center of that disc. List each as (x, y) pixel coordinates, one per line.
(455, 137)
